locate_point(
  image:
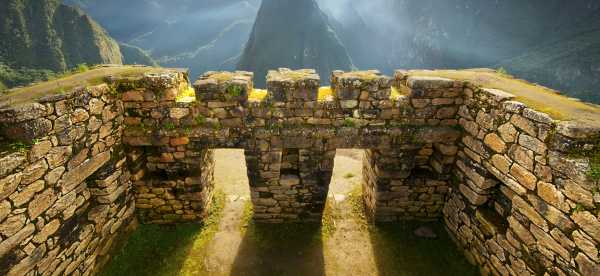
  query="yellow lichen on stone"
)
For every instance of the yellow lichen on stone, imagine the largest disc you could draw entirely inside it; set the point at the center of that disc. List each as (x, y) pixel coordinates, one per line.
(325, 94)
(187, 95)
(257, 95)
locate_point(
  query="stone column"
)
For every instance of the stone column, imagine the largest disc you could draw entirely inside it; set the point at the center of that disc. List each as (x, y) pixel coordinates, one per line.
(288, 166)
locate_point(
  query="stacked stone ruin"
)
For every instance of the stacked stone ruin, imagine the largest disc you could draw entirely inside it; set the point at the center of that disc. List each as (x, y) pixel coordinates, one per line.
(515, 188)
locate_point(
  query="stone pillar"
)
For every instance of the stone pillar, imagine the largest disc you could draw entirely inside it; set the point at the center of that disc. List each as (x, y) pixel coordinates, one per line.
(288, 168)
(172, 176)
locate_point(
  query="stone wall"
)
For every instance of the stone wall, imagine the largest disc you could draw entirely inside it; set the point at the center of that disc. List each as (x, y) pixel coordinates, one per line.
(290, 137)
(524, 202)
(516, 189)
(65, 190)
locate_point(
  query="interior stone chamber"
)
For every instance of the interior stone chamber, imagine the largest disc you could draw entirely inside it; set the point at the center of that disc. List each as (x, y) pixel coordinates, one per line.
(503, 177)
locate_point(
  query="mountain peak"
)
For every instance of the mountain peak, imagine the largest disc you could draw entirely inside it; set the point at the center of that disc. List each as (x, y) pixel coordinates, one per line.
(294, 34)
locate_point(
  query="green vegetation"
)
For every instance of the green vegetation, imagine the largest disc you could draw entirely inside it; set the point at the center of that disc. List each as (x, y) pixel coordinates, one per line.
(200, 120)
(397, 249)
(165, 249)
(593, 156)
(81, 68)
(135, 55)
(19, 147)
(233, 91)
(578, 208)
(19, 77)
(53, 36)
(534, 96)
(501, 71)
(169, 126)
(349, 123)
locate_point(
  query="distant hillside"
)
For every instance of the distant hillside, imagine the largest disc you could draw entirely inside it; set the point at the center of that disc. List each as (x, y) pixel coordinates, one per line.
(135, 55)
(294, 34)
(570, 62)
(49, 35)
(200, 35)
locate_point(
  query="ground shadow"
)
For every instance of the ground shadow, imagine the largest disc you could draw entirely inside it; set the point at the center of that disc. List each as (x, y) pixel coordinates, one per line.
(398, 251)
(280, 249)
(154, 250)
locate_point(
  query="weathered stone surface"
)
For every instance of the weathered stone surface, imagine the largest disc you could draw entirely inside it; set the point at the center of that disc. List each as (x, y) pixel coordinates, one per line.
(27, 193)
(495, 143)
(96, 106)
(501, 163)
(39, 149)
(79, 115)
(58, 156)
(54, 175)
(589, 223)
(549, 193)
(586, 266)
(8, 185)
(577, 193)
(34, 172)
(547, 241)
(73, 177)
(552, 214)
(574, 168)
(472, 196)
(62, 204)
(498, 95)
(12, 225)
(10, 162)
(525, 125)
(521, 231)
(523, 176)
(11, 242)
(508, 133)
(29, 263)
(178, 113)
(429, 82)
(288, 180)
(41, 203)
(586, 245)
(524, 208)
(533, 144)
(48, 229)
(5, 209)
(537, 116)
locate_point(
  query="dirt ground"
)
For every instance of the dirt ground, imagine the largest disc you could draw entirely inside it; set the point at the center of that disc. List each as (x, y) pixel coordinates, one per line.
(348, 249)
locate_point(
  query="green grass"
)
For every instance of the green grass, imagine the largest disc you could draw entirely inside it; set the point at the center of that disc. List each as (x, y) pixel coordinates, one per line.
(398, 252)
(165, 249)
(537, 97)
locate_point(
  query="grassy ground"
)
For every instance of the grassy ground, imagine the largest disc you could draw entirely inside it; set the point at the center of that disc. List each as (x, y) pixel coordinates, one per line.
(90, 77)
(535, 96)
(164, 249)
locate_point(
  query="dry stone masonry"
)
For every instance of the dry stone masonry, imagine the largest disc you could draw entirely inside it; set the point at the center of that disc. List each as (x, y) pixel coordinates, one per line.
(517, 190)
